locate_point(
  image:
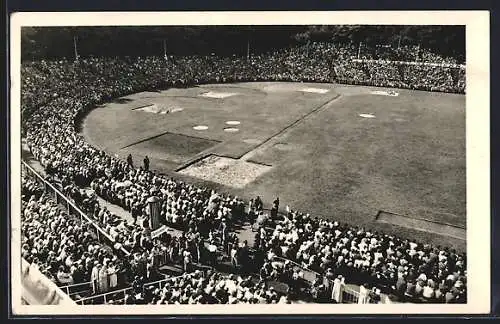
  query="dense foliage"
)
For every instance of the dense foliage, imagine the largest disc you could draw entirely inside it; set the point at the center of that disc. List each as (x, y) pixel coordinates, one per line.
(58, 42)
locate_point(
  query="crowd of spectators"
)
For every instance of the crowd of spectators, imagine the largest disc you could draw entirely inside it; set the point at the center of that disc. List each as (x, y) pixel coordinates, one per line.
(67, 250)
(212, 288)
(56, 94)
(406, 53)
(63, 248)
(403, 267)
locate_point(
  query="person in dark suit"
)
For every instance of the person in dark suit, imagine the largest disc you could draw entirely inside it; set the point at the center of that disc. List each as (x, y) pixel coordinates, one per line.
(129, 160)
(276, 202)
(146, 163)
(259, 205)
(224, 231)
(274, 209)
(244, 257)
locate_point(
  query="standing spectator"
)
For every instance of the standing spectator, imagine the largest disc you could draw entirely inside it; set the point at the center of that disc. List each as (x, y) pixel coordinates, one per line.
(234, 255)
(364, 294)
(224, 232)
(338, 289)
(103, 278)
(94, 278)
(244, 257)
(274, 212)
(130, 162)
(146, 163)
(212, 251)
(113, 277)
(276, 202)
(259, 205)
(188, 260)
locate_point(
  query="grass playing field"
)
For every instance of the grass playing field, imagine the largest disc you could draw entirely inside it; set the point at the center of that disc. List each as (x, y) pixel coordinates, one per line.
(307, 144)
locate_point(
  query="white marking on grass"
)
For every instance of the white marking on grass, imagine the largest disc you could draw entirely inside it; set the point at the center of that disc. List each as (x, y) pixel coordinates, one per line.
(200, 127)
(389, 93)
(231, 130)
(315, 90)
(217, 95)
(233, 122)
(176, 110)
(367, 115)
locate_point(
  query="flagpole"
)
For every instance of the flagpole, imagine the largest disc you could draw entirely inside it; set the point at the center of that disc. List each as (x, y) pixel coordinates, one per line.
(165, 49)
(75, 48)
(248, 48)
(359, 50)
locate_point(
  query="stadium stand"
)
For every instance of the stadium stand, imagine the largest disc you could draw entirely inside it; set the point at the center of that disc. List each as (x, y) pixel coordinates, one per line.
(57, 94)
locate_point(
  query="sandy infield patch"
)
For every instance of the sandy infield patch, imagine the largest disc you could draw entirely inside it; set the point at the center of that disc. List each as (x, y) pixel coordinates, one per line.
(227, 171)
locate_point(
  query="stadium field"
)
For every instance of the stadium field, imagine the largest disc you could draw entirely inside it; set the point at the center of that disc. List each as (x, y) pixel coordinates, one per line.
(366, 156)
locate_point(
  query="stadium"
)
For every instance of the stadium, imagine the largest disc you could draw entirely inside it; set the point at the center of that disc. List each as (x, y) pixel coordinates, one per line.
(324, 172)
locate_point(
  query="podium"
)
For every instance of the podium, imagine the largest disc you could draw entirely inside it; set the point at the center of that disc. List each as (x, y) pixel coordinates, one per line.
(154, 205)
(155, 221)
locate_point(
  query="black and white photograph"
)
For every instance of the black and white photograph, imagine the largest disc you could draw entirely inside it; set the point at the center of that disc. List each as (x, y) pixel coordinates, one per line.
(235, 163)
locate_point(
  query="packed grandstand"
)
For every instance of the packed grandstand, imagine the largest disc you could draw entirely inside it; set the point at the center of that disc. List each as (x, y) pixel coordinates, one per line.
(296, 257)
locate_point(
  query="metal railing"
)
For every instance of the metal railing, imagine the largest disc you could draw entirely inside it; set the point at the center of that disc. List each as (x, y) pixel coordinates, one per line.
(104, 298)
(115, 295)
(72, 209)
(76, 289)
(348, 295)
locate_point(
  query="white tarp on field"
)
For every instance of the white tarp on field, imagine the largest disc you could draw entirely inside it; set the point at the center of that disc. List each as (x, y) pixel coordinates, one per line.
(217, 95)
(315, 90)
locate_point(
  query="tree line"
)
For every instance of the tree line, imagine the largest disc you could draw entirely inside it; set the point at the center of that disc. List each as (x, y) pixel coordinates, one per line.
(60, 42)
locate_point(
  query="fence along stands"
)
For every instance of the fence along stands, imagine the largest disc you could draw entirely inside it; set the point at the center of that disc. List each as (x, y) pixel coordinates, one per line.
(60, 198)
(349, 295)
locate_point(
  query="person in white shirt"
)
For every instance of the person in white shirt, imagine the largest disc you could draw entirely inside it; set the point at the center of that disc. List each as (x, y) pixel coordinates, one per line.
(363, 295)
(113, 277)
(338, 288)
